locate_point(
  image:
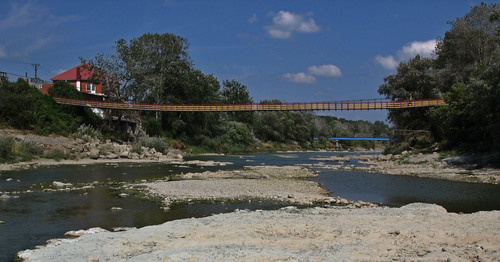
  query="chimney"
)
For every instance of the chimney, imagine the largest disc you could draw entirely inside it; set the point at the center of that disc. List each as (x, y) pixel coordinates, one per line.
(78, 76)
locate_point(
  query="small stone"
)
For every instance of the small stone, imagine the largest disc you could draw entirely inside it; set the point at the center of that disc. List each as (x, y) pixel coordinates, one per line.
(4, 196)
(61, 184)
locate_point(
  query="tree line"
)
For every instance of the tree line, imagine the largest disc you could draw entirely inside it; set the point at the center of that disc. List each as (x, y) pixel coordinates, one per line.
(465, 71)
(157, 68)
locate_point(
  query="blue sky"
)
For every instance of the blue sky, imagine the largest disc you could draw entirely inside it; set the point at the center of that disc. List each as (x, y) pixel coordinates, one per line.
(295, 51)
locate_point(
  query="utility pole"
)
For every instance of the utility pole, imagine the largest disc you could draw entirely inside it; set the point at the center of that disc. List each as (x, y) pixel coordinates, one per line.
(35, 66)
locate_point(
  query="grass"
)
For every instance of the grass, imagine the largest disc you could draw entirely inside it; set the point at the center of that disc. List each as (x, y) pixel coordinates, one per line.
(56, 154)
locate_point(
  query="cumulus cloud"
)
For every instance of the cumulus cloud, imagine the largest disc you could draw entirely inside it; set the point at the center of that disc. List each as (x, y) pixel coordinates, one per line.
(286, 23)
(308, 78)
(422, 48)
(325, 70)
(387, 62)
(425, 49)
(300, 78)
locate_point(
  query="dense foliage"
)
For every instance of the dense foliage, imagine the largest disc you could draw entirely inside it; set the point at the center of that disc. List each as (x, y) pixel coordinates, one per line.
(24, 107)
(465, 72)
(157, 68)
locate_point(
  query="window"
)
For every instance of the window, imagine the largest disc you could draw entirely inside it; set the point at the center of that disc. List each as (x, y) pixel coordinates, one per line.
(91, 87)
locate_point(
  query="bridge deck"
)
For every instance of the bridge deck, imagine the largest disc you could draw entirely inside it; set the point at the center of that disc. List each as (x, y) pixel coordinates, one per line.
(335, 106)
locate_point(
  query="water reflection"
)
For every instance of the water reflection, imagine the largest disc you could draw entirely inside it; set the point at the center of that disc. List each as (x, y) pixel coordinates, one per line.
(401, 190)
(36, 216)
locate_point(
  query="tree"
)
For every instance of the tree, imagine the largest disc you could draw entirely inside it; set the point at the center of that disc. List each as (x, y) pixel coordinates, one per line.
(147, 61)
(465, 73)
(471, 43)
(468, 66)
(157, 68)
(471, 121)
(234, 92)
(415, 79)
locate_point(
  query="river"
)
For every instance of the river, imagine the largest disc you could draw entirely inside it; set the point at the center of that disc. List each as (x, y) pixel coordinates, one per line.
(32, 215)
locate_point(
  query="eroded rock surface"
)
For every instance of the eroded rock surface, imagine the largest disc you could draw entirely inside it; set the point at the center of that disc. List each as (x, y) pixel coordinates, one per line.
(417, 232)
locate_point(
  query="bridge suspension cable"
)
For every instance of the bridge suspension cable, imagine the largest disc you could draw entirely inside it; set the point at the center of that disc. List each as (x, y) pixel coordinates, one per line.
(334, 106)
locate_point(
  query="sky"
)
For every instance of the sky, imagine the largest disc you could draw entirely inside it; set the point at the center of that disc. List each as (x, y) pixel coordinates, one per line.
(294, 51)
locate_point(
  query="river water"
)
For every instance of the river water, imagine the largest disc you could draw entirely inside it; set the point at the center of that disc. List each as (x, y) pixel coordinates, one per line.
(33, 216)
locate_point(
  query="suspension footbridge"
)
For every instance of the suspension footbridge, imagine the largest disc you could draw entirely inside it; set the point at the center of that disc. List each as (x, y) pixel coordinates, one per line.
(313, 106)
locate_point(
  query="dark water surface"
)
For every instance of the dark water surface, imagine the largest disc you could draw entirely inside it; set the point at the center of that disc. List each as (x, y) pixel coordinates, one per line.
(33, 216)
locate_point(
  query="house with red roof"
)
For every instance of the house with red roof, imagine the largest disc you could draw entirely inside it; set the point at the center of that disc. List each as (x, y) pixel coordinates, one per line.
(80, 77)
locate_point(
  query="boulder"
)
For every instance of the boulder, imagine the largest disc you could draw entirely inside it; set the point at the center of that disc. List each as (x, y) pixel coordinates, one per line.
(124, 154)
(112, 156)
(94, 153)
(133, 156)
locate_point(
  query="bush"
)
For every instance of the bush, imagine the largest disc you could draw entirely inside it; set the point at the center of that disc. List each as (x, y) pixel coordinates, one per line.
(152, 126)
(30, 147)
(28, 150)
(88, 131)
(397, 148)
(159, 144)
(6, 149)
(56, 154)
(24, 107)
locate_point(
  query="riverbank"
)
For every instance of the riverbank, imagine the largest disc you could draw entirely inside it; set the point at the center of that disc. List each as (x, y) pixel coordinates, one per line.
(416, 232)
(421, 165)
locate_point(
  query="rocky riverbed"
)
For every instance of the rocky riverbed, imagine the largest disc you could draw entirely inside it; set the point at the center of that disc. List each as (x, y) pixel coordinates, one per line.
(338, 229)
(282, 184)
(416, 232)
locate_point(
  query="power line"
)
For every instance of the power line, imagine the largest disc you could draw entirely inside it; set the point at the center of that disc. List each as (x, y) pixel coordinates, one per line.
(34, 65)
(16, 62)
(14, 74)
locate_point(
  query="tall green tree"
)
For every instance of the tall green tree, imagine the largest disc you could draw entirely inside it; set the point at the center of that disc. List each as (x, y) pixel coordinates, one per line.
(233, 92)
(465, 73)
(415, 79)
(157, 68)
(147, 60)
(472, 43)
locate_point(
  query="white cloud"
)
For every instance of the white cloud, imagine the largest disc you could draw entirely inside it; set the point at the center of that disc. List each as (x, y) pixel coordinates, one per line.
(410, 50)
(299, 78)
(425, 49)
(325, 70)
(387, 62)
(252, 19)
(308, 78)
(286, 23)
